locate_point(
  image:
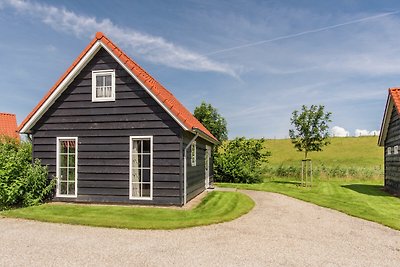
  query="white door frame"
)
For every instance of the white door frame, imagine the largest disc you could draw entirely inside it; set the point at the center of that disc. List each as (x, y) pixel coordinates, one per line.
(207, 153)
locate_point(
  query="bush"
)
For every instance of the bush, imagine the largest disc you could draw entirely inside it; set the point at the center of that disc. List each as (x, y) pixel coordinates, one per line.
(22, 183)
(239, 161)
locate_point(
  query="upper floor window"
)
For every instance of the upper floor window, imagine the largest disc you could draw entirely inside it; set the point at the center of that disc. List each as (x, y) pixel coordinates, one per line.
(389, 150)
(396, 150)
(103, 85)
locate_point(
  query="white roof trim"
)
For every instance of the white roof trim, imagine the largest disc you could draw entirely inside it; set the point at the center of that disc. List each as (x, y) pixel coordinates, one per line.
(75, 71)
(60, 88)
(386, 119)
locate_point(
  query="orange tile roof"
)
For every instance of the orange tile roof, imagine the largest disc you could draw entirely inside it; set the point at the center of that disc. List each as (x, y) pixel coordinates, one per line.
(159, 91)
(395, 94)
(8, 125)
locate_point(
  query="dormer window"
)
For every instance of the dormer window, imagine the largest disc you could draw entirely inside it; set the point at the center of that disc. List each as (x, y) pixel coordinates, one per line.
(103, 85)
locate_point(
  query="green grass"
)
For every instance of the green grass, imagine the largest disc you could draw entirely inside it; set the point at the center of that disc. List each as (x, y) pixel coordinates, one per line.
(365, 200)
(216, 207)
(343, 151)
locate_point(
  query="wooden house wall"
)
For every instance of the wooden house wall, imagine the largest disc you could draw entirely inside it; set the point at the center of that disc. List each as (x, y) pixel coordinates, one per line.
(196, 174)
(392, 162)
(103, 130)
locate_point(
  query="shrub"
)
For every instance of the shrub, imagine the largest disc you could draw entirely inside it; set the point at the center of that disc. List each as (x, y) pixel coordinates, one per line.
(22, 183)
(239, 161)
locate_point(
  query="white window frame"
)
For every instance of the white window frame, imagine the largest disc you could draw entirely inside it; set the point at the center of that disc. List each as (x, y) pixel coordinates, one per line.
(396, 150)
(96, 73)
(131, 138)
(389, 150)
(59, 139)
(193, 154)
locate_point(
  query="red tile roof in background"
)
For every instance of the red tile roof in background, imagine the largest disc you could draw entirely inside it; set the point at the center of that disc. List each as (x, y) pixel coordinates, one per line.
(162, 94)
(8, 125)
(395, 94)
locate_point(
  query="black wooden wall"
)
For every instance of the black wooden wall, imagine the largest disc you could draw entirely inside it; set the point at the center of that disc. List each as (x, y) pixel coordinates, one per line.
(103, 130)
(196, 174)
(392, 162)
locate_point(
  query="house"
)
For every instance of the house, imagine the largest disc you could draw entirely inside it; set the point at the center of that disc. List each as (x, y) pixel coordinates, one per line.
(389, 138)
(8, 125)
(111, 133)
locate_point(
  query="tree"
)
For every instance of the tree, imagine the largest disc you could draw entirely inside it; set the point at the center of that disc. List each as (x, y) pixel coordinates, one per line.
(310, 131)
(212, 120)
(240, 161)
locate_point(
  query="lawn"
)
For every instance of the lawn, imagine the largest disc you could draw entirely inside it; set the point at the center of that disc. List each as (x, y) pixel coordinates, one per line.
(216, 207)
(364, 199)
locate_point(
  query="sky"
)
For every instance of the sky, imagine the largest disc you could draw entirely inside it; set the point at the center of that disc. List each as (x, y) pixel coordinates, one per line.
(255, 61)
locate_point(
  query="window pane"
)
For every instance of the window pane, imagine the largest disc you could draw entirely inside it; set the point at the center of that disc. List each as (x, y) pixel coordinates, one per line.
(107, 80)
(71, 162)
(99, 80)
(71, 188)
(135, 189)
(146, 146)
(146, 161)
(71, 174)
(63, 174)
(63, 188)
(135, 160)
(63, 147)
(63, 160)
(136, 175)
(71, 146)
(146, 176)
(146, 190)
(135, 146)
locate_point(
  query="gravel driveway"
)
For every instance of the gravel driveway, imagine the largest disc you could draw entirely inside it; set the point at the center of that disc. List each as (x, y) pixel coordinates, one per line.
(279, 231)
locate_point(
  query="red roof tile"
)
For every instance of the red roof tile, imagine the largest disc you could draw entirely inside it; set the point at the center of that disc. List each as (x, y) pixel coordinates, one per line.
(8, 125)
(162, 94)
(395, 94)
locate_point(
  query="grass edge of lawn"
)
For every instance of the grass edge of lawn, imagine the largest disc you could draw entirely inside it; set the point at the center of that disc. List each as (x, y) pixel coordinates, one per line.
(250, 187)
(211, 205)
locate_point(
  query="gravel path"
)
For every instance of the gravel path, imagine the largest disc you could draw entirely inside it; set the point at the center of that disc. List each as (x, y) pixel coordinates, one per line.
(278, 231)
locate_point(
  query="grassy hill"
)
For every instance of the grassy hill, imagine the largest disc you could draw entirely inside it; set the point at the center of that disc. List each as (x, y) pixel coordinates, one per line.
(348, 156)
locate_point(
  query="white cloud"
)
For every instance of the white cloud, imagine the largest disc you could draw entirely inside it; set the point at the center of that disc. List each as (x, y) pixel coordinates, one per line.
(151, 48)
(338, 131)
(359, 132)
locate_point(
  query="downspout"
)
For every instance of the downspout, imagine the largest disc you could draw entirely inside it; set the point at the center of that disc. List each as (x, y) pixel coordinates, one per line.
(185, 167)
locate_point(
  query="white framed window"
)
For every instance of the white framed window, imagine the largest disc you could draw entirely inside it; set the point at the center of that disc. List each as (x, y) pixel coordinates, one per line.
(396, 150)
(67, 166)
(389, 150)
(141, 167)
(193, 153)
(103, 85)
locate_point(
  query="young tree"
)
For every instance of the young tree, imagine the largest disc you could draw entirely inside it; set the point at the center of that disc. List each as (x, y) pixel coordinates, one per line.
(310, 131)
(212, 120)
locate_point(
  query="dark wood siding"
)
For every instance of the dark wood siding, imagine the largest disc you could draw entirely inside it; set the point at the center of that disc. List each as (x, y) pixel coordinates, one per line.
(196, 174)
(103, 130)
(392, 162)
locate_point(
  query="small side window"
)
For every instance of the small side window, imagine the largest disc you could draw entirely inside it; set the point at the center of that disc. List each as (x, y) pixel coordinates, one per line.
(396, 150)
(103, 85)
(193, 154)
(389, 150)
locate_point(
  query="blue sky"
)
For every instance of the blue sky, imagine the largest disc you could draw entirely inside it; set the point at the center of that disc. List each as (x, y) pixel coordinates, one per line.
(255, 61)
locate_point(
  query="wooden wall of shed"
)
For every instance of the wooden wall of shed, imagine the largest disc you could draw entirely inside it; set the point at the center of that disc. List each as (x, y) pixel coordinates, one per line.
(392, 162)
(196, 174)
(103, 130)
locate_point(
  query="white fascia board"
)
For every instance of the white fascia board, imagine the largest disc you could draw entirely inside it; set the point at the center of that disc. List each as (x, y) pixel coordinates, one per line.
(61, 87)
(386, 120)
(144, 86)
